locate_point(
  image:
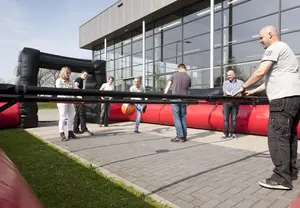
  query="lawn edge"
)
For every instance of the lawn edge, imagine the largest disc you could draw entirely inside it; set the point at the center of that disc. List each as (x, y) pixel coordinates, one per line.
(127, 185)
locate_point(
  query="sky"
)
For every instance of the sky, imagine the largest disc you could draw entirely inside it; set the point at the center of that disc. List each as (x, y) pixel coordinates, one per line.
(49, 26)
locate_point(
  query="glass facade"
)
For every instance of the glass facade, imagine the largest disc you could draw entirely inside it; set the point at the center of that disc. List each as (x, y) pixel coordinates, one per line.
(184, 37)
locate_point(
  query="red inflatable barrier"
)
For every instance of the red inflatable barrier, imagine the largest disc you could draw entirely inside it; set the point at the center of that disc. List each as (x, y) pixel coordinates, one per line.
(10, 118)
(250, 119)
(14, 190)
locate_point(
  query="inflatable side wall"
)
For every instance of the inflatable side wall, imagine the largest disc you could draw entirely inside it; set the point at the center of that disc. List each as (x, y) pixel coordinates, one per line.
(31, 60)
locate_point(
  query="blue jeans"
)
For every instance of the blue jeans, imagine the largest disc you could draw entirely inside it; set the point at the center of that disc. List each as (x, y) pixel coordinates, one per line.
(179, 116)
(139, 109)
(230, 109)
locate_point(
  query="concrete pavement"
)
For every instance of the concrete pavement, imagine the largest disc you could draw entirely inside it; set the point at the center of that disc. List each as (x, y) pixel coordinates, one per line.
(202, 172)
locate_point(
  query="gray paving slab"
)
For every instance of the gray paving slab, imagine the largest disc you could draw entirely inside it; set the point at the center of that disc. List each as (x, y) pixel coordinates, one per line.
(202, 172)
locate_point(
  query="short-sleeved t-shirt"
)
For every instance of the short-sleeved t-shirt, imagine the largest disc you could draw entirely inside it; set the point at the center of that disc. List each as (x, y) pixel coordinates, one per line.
(283, 80)
(135, 89)
(181, 82)
(81, 82)
(107, 87)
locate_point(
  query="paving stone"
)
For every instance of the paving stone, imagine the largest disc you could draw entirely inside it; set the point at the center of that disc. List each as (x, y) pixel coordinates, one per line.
(202, 172)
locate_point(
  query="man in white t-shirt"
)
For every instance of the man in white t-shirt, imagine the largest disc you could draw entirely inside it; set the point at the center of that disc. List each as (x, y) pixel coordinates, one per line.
(280, 67)
(137, 87)
(105, 107)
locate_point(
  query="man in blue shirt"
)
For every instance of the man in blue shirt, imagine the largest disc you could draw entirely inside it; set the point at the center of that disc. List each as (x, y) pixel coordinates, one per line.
(230, 87)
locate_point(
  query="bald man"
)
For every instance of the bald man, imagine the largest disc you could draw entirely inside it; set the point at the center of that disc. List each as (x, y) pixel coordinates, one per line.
(230, 87)
(280, 67)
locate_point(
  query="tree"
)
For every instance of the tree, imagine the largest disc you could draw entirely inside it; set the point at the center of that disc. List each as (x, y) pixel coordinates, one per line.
(47, 78)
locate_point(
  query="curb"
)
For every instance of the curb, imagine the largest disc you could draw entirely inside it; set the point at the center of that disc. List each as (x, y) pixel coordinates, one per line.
(111, 175)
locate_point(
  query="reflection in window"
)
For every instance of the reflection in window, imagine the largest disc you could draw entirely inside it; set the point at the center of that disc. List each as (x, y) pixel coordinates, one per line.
(292, 39)
(196, 27)
(197, 60)
(149, 56)
(149, 69)
(119, 74)
(218, 77)
(195, 44)
(288, 20)
(123, 62)
(167, 23)
(126, 73)
(200, 78)
(149, 42)
(243, 71)
(168, 51)
(137, 46)
(203, 10)
(137, 71)
(286, 4)
(167, 66)
(109, 74)
(241, 12)
(118, 85)
(161, 82)
(109, 65)
(110, 55)
(137, 59)
(249, 30)
(250, 51)
(168, 36)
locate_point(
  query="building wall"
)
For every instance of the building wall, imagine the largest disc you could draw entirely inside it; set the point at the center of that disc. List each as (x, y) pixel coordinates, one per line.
(116, 17)
(183, 37)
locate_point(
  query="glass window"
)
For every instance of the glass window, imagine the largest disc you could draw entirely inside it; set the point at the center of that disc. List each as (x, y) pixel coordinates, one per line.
(285, 4)
(126, 50)
(149, 83)
(149, 56)
(288, 20)
(249, 30)
(137, 46)
(123, 62)
(243, 71)
(126, 73)
(199, 10)
(227, 3)
(196, 27)
(292, 39)
(169, 36)
(172, 20)
(168, 51)
(109, 65)
(118, 52)
(195, 44)
(197, 60)
(110, 55)
(167, 66)
(109, 73)
(161, 82)
(149, 69)
(137, 59)
(149, 42)
(241, 12)
(250, 51)
(200, 78)
(217, 38)
(218, 77)
(119, 74)
(97, 57)
(110, 45)
(118, 85)
(137, 70)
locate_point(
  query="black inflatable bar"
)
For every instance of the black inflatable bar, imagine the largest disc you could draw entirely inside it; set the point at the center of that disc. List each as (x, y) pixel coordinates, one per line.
(31, 90)
(31, 60)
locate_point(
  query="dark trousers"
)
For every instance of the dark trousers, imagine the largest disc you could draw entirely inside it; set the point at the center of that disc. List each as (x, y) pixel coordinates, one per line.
(230, 109)
(105, 107)
(282, 138)
(80, 118)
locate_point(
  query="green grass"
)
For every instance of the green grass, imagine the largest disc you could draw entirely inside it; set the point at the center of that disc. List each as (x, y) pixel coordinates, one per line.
(47, 105)
(61, 181)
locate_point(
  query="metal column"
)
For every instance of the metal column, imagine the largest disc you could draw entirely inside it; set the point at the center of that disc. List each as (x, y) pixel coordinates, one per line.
(105, 50)
(212, 14)
(144, 55)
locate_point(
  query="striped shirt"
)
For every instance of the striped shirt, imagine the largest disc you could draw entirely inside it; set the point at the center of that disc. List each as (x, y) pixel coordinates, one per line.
(232, 86)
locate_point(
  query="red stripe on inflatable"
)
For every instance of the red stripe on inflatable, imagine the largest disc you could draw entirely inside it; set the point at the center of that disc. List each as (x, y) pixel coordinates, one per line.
(10, 118)
(250, 119)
